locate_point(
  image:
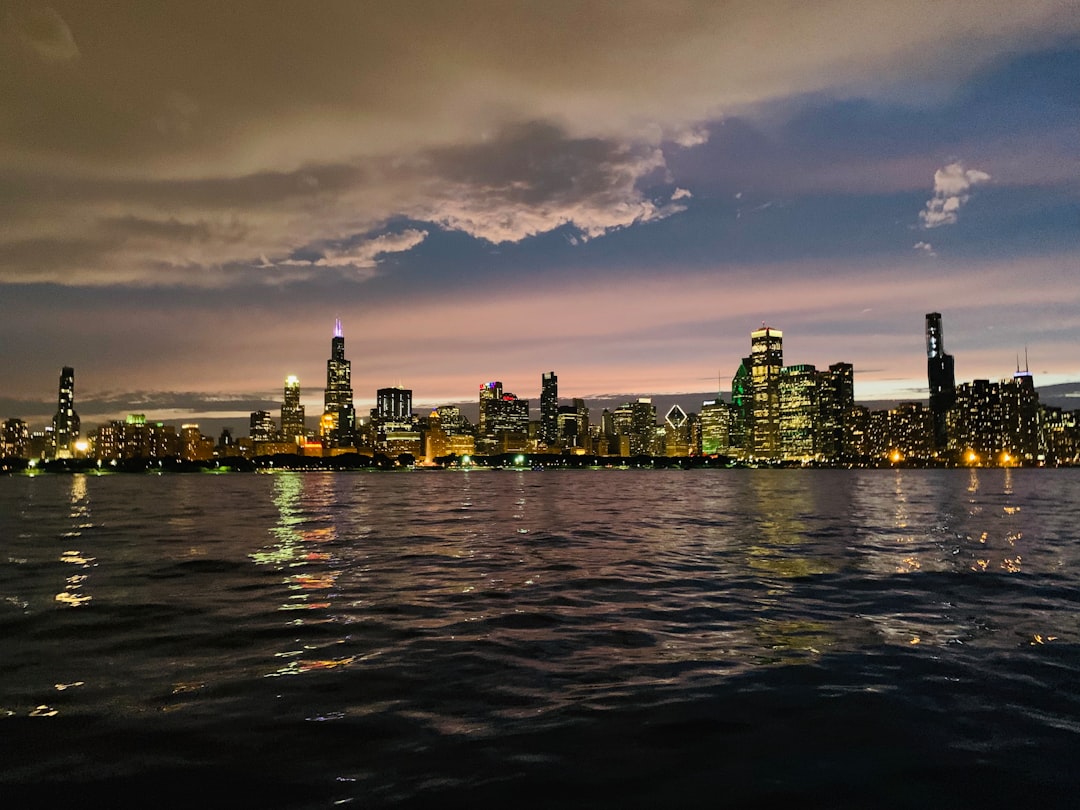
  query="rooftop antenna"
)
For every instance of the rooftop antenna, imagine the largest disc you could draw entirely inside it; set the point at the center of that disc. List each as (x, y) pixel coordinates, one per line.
(337, 328)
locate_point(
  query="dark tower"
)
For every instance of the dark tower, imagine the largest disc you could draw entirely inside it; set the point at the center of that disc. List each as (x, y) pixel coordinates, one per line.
(549, 408)
(940, 375)
(339, 415)
(65, 423)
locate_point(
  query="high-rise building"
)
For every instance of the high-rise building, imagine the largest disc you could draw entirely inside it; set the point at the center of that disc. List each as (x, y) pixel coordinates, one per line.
(836, 391)
(740, 436)
(1022, 423)
(135, 438)
(676, 432)
(799, 411)
(634, 425)
(65, 423)
(292, 412)
(393, 405)
(262, 426)
(941, 377)
(14, 439)
(489, 391)
(715, 427)
(194, 446)
(549, 408)
(338, 426)
(766, 360)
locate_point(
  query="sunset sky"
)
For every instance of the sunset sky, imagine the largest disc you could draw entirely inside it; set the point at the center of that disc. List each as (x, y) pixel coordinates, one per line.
(192, 192)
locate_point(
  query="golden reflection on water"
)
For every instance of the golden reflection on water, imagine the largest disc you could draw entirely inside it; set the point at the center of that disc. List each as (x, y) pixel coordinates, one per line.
(74, 593)
(304, 500)
(781, 526)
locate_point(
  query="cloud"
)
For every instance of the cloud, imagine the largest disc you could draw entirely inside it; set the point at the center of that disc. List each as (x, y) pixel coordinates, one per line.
(951, 186)
(501, 120)
(366, 253)
(925, 248)
(534, 178)
(691, 136)
(680, 194)
(45, 32)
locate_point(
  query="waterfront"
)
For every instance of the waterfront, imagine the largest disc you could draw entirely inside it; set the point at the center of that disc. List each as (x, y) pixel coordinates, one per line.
(610, 638)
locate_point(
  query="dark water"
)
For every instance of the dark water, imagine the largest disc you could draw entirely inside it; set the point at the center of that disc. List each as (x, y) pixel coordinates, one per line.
(709, 638)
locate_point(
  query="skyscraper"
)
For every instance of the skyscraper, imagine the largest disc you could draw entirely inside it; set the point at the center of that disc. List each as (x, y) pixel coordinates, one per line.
(740, 437)
(339, 416)
(393, 405)
(549, 408)
(292, 412)
(837, 399)
(262, 427)
(799, 411)
(766, 360)
(65, 423)
(942, 380)
(489, 392)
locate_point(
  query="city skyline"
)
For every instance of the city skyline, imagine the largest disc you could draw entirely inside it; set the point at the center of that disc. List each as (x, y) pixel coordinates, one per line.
(777, 413)
(316, 401)
(491, 191)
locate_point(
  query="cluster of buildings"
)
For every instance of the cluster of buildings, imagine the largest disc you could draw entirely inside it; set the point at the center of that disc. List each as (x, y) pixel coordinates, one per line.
(776, 414)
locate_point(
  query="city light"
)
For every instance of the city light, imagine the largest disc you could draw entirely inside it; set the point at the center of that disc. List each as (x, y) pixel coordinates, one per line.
(779, 414)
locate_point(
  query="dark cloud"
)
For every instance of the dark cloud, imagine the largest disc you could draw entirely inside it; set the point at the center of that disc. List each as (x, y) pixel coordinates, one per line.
(191, 191)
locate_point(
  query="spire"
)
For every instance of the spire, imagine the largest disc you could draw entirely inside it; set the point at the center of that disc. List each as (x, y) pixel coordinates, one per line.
(337, 328)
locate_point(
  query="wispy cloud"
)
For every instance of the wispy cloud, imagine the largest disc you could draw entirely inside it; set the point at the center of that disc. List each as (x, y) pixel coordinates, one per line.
(45, 32)
(925, 248)
(951, 186)
(364, 254)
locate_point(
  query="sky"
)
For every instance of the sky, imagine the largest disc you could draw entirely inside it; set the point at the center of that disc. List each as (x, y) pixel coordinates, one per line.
(191, 193)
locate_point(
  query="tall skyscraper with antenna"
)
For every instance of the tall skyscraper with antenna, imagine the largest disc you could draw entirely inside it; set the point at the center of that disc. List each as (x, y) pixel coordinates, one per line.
(941, 378)
(338, 426)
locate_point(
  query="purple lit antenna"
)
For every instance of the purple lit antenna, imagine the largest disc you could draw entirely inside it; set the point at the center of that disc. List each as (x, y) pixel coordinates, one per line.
(337, 328)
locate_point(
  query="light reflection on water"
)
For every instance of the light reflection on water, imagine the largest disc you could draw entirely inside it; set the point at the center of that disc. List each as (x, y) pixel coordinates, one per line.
(549, 588)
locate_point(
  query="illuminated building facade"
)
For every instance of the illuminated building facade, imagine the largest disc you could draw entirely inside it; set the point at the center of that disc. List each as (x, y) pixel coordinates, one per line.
(292, 412)
(394, 428)
(549, 409)
(766, 361)
(910, 432)
(338, 424)
(1020, 402)
(489, 392)
(941, 378)
(836, 398)
(65, 423)
(506, 423)
(573, 424)
(194, 446)
(393, 405)
(799, 411)
(741, 438)
(262, 427)
(135, 438)
(715, 427)
(14, 439)
(676, 432)
(634, 427)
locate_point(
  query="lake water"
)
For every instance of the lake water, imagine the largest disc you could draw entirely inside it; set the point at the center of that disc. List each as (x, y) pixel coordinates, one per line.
(593, 638)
